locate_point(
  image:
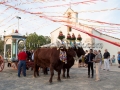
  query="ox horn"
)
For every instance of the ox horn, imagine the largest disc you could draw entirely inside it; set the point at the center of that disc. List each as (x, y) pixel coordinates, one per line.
(76, 58)
(58, 42)
(57, 48)
(80, 45)
(76, 46)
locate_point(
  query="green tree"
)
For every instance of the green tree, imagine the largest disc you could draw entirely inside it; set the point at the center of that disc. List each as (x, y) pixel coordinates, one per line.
(44, 40)
(48, 40)
(33, 41)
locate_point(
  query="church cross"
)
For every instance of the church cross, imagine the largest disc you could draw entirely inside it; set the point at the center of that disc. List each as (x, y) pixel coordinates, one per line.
(70, 3)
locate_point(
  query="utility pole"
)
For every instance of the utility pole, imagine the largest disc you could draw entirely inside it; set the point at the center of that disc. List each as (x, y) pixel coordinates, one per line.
(18, 21)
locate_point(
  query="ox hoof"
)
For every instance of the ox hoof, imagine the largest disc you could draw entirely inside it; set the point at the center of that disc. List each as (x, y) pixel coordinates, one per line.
(45, 73)
(68, 77)
(50, 82)
(34, 77)
(38, 75)
(59, 80)
(64, 77)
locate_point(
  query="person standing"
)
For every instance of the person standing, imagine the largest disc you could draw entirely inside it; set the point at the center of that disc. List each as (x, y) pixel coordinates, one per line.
(22, 57)
(112, 60)
(99, 51)
(94, 52)
(33, 57)
(97, 64)
(90, 58)
(85, 58)
(119, 59)
(106, 60)
(8, 57)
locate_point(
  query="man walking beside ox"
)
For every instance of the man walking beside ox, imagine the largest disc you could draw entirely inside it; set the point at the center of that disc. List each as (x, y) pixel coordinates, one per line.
(90, 58)
(106, 60)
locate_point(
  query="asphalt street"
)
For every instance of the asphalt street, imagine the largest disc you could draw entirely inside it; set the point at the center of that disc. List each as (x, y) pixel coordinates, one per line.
(110, 80)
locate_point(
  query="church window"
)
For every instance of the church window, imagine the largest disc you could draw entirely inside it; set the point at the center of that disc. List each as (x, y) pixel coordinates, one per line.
(69, 15)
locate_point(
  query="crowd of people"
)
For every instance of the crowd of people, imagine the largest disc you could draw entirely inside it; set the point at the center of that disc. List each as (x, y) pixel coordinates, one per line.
(90, 59)
(95, 58)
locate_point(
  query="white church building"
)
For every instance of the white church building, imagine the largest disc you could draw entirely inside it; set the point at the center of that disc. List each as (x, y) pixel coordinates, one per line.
(86, 39)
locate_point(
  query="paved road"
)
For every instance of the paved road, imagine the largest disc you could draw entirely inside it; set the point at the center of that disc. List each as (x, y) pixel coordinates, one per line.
(110, 80)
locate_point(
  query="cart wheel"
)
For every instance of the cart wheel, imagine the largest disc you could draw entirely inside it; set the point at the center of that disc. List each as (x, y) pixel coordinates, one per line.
(14, 65)
(2, 64)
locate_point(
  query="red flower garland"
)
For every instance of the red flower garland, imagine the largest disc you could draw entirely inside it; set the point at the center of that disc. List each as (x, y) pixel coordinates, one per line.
(73, 37)
(61, 36)
(68, 37)
(79, 37)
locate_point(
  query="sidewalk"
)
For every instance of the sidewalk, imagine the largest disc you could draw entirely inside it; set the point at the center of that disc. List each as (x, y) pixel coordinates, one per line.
(78, 80)
(114, 68)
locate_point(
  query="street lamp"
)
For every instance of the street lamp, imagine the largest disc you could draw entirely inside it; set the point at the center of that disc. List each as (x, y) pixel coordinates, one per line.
(18, 21)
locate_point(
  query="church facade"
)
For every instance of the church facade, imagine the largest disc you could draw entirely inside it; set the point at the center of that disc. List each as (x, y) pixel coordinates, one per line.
(87, 41)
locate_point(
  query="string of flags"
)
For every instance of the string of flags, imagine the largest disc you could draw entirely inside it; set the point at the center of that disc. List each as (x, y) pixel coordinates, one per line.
(42, 13)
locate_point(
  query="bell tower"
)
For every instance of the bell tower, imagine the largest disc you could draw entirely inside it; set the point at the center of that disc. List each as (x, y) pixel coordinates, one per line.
(71, 17)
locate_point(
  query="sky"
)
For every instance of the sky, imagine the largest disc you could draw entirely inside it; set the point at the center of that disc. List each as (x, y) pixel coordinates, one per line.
(30, 23)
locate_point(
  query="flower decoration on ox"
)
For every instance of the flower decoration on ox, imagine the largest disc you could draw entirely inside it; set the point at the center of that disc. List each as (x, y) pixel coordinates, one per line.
(68, 36)
(61, 36)
(79, 38)
(73, 37)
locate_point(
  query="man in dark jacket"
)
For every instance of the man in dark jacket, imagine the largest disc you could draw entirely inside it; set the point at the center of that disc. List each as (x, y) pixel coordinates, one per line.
(90, 58)
(106, 60)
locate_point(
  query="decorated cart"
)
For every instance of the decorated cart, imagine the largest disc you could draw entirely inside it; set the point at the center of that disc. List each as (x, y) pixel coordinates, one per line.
(2, 63)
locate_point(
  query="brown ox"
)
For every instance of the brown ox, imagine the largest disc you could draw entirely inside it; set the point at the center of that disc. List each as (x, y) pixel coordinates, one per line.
(49, 57)
(70, 61)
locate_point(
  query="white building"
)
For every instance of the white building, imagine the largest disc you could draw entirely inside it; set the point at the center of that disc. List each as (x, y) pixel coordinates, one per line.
(86, 38)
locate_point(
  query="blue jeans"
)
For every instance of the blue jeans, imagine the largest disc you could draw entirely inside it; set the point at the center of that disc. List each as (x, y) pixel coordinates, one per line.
(22, 66)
